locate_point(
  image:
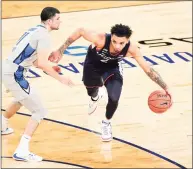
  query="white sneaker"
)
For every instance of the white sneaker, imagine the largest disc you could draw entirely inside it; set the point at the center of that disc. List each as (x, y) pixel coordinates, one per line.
(7, 131)
(28, 156)
(93, 104)
(106, 131)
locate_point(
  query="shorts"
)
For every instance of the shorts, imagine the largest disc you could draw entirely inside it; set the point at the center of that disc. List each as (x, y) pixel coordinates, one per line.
(21, 89)
(98, 76)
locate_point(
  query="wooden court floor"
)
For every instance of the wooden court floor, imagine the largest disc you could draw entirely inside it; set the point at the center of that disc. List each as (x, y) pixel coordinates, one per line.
(69, 137)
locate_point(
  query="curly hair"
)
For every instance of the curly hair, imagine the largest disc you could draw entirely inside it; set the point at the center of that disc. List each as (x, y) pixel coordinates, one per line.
(121, 30)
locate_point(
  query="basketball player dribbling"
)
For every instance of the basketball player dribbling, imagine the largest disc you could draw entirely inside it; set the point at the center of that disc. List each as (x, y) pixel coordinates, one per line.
(32, 49)
(102, 67)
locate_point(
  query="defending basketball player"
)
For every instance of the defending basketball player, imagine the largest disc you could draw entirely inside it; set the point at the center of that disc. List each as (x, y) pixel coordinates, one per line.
(102, 67)
(32, 49)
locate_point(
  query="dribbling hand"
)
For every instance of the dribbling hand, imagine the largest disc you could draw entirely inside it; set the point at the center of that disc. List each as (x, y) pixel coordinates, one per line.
(169, 93)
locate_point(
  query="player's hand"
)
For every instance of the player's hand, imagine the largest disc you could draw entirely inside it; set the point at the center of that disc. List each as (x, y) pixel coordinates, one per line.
(55, 56)
(67, 81)
(168, 92)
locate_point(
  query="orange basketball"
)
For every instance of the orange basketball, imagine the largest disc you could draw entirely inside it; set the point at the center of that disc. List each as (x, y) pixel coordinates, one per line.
(159, 101)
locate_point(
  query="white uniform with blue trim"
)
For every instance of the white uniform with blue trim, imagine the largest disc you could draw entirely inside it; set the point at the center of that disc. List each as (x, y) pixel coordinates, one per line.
(23, 54)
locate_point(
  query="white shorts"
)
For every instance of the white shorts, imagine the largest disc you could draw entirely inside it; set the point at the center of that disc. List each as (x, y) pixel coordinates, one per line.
(21, 89)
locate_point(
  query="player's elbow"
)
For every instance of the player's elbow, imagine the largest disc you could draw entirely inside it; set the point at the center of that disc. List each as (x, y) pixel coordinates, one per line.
(41, 65)
(81, 31)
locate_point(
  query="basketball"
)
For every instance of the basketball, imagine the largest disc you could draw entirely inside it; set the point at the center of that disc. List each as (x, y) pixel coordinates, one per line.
(159, 101)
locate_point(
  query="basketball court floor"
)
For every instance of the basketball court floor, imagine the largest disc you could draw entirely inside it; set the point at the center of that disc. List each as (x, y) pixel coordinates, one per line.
(69, 137)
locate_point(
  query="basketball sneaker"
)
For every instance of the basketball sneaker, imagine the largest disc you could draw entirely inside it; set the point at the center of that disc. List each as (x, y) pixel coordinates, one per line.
(93, 104)
(106, 131)
(5, 129)
(26, 156)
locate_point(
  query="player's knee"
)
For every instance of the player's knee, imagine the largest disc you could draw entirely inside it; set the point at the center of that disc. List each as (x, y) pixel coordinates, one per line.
(113, 97)
(39, 115)
(15, 102)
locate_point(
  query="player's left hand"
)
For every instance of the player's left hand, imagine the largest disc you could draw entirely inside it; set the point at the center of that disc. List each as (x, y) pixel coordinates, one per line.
(168, 92)
(55, 56)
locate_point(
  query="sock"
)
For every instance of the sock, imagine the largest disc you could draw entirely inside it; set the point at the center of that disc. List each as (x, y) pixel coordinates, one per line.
(4, 118)
(4, 123)
(24, 143)
(106, 121)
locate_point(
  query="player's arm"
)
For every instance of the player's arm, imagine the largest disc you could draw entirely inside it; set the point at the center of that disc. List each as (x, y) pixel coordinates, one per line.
(98, 39)
(43, 63)
(88, 35)
(134, 51)
(43, 51)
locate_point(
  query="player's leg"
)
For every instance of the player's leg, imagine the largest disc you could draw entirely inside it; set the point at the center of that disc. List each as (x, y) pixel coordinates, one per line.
(93, 81)
(11, 109)
(25, 95)
(114, 88)
(7, 114)
(34, 105)
(14, 88)
(113, 83)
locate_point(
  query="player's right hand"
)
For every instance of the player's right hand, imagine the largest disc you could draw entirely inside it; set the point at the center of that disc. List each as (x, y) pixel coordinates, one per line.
(55, 56)
(67, 81)
(168, 92)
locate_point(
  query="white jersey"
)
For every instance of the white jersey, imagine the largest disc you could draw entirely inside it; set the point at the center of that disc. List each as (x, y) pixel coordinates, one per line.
(24, 53)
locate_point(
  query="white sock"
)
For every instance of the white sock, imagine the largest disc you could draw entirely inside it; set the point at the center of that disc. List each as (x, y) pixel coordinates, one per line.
(24, 143)
(4, 123)
(106, 121)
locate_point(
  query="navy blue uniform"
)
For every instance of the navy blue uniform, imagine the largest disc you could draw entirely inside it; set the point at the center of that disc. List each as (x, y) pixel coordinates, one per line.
(99, 66)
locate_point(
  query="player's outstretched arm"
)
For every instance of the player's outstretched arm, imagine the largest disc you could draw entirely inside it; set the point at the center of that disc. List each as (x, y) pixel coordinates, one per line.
(91, 36)
(43, 63)
(88, 35)
(155, 76)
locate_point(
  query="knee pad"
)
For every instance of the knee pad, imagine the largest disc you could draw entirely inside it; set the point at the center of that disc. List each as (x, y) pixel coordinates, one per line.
(39, 115)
